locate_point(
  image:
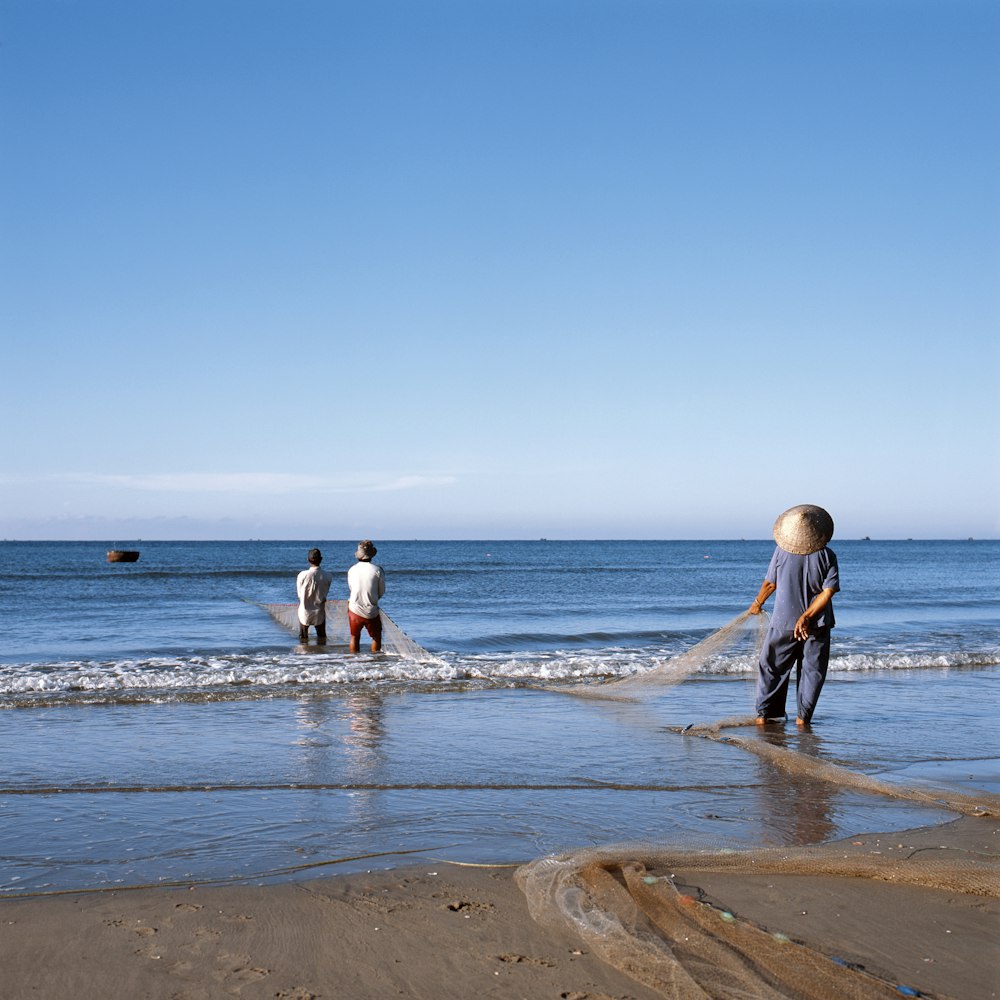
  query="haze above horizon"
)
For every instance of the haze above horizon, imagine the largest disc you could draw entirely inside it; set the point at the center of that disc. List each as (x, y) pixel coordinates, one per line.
(566, 269)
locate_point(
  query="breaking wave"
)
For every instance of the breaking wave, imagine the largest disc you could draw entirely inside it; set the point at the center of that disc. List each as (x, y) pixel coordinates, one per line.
(290, 673)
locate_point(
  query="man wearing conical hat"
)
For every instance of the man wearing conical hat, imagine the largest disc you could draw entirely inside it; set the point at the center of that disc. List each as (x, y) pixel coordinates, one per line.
(803, 575)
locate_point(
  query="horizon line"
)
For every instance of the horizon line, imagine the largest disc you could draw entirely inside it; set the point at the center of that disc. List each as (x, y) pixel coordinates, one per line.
(541, 539)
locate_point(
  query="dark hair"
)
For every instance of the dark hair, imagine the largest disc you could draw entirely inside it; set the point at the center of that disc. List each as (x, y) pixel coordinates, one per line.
(315, 556)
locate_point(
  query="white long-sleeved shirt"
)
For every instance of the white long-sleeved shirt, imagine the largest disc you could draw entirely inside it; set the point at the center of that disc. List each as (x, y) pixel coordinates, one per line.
(312, 585)
(367, 583)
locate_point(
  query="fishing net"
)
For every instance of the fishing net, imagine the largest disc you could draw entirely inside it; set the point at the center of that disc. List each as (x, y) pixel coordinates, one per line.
(394, 639)
(738, 640)
(801, 765)
(631, 905)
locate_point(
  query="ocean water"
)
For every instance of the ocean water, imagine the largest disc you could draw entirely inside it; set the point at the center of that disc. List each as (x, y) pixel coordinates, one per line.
(160, 727)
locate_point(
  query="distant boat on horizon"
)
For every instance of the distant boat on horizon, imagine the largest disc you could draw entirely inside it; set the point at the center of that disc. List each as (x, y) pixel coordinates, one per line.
(123, 555)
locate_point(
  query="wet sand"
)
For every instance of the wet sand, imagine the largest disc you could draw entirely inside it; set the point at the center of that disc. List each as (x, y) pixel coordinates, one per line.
(943, 943)
(447, 931)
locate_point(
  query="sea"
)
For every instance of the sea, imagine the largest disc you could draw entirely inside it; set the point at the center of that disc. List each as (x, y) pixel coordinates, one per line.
(159, 727)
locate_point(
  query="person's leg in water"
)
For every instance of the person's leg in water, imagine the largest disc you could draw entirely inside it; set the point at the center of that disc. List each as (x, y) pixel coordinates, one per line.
(304, 634)
(355, 623)
(799, 721)
(812, 674)
(779, 655)
(321, 633)
(374, 627)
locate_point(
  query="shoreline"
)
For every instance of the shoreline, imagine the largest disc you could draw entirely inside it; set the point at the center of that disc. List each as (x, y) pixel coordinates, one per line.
(444, 930)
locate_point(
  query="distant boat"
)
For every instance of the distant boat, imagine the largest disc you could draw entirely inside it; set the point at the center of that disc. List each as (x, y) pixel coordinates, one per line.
(123, 555)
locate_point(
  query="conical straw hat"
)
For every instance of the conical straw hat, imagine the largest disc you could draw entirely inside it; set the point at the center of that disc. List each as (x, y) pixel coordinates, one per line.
(803, 529)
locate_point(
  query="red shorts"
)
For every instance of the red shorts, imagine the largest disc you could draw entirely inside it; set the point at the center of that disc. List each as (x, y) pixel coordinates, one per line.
(357, 623)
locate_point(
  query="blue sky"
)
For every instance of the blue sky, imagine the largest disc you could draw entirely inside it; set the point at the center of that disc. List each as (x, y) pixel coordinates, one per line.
(498, 268)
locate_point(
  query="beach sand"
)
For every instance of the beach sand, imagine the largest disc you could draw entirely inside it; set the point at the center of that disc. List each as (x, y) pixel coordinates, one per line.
(438, 930)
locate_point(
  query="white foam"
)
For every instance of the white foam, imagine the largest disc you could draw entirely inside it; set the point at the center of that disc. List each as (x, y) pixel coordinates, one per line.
(254, 671)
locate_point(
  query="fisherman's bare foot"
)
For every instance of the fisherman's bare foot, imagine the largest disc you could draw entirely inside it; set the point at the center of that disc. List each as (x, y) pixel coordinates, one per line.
(760, 720)
(801, 722)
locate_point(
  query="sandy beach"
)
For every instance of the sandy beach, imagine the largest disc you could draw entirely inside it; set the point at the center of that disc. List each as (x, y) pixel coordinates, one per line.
(443, 931)
(190, 811)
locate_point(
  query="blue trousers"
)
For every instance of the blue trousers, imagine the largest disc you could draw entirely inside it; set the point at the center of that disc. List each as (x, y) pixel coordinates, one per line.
(780, 653)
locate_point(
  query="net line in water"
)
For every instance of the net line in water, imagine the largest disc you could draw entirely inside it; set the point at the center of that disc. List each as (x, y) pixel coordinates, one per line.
(622, 900)
(394, 639)
(803, 765)
(744, 635)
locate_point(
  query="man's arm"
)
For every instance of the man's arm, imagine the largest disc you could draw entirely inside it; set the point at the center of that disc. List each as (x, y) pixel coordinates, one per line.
(766, 590)
(819, 602)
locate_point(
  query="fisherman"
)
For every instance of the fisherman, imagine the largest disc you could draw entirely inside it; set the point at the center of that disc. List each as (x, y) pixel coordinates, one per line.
(312, 585)
(367, 583)
(804, 575)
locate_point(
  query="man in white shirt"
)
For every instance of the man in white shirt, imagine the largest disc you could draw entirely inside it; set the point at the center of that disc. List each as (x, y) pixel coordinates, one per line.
(312, 585)
(367, 583)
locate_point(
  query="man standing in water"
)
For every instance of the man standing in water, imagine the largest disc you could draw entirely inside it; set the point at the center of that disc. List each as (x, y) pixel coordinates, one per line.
(804, 575)
(312, 585)
(367, 583)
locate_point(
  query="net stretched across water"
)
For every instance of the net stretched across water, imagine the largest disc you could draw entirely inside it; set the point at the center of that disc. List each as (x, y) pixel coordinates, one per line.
(743, 636)
(394, 639)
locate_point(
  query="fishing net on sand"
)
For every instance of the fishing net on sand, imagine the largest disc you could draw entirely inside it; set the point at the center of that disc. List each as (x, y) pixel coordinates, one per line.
(394, 640)
(633, 904)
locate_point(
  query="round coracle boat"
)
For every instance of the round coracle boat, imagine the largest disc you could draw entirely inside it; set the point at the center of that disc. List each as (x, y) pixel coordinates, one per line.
(123, 555)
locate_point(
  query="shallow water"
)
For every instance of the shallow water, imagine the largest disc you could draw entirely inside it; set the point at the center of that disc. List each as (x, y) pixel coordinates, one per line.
(166, 730)
(106, 795)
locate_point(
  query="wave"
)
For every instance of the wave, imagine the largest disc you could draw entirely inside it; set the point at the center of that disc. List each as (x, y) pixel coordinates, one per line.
(853, 662)
(266, 674)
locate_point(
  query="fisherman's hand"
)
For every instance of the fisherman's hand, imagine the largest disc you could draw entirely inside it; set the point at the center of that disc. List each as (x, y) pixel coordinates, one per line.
(756, 608)
(801, 631)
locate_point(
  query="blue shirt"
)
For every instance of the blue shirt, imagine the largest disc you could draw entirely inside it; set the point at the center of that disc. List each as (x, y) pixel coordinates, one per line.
(798, 580)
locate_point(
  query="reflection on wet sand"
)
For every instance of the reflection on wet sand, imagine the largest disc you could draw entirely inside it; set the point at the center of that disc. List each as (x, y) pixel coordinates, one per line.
(365, 735)
(343, 745)
(795, 809)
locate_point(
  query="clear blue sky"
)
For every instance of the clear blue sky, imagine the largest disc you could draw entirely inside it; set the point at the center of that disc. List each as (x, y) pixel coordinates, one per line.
(498, 268)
